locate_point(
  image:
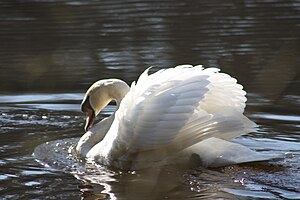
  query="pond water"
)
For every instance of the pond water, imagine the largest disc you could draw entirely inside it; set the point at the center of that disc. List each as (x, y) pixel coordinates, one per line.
(52, 50)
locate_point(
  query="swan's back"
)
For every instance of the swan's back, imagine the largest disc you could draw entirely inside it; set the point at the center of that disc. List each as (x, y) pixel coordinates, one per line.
(173, 109)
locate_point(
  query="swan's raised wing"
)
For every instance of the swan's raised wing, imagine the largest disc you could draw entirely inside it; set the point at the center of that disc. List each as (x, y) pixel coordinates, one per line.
(178, 107)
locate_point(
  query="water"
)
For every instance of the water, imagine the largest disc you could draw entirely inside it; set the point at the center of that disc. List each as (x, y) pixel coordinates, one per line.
(53, 50)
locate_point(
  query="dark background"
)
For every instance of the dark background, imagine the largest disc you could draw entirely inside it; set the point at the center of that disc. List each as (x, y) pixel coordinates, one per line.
(58, 46)
(51, 51)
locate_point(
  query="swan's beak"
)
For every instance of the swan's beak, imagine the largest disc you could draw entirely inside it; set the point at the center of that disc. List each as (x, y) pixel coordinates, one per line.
(89, 112)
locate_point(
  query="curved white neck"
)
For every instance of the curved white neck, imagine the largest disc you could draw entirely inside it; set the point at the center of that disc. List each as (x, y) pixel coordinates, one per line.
(104, 92)
(118, 92)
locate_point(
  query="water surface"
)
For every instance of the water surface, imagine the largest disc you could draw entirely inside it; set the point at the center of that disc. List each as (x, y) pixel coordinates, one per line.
(53, 50)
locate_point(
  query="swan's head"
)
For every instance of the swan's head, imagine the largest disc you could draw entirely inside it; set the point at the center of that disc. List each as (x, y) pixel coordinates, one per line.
(99, 95)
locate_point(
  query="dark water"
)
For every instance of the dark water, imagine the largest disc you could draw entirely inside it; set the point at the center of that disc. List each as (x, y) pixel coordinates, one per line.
(51, 51)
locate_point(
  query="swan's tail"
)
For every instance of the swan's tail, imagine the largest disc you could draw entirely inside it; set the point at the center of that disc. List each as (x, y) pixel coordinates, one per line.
(203, 126)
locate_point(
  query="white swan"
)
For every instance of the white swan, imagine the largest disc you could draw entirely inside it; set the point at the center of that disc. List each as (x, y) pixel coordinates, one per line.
(165, 116)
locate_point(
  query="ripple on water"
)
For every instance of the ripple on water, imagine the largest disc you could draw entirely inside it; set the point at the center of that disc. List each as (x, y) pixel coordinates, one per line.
(248, 180)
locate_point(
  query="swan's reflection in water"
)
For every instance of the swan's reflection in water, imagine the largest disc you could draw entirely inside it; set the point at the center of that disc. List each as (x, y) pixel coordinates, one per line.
(103, 182)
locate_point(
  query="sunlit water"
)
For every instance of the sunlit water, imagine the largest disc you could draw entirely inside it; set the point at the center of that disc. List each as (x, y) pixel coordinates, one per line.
(30, 120)
(51, 51)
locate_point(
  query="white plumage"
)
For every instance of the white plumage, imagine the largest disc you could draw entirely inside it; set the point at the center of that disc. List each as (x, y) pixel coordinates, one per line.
(163, 115)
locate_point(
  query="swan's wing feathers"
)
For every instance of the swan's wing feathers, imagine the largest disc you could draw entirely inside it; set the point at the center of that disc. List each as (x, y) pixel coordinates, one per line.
(178, 107)
(223, 92)
(172, 107)
(158, 106)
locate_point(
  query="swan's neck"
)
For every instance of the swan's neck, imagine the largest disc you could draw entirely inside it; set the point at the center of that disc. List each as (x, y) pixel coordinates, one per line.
(104, 91)
(118, 96)
(117, 91)
(94, 135)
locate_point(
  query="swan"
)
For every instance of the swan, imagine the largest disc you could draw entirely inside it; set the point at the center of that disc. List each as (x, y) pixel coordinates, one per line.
(167, 116)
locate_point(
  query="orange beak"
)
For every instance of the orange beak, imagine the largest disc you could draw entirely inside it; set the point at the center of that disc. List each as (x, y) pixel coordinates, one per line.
(89, 112)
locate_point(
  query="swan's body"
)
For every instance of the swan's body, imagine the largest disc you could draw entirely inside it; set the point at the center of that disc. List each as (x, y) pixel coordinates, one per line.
(164, 116)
